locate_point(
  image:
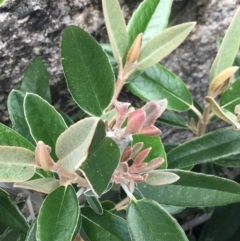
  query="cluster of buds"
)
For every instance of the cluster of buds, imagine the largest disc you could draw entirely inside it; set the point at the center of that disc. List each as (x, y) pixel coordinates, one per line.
(140, 121)
(137, 172)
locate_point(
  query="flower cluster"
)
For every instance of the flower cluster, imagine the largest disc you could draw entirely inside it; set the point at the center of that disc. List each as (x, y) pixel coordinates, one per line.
(137, 172)
(139, 121)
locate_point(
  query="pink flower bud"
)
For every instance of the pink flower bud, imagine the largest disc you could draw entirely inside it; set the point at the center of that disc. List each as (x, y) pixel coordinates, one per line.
(136, 120)
(150, 131)
(121, 113)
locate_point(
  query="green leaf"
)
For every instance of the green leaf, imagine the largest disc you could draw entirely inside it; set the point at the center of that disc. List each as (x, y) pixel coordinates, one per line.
(9, 137)
(231, 97)
(159, 83)
(31, 234)
(194, 189)
(116, 28)
(45, 123)
(44, 185)
(158, 178)
(17, 164)
(14, 235)
(16, 114)
(93, 202)
(223, 223)
(73, 144)
(163, 44)
(11, 216)
(107, 227)
(232, 161)
(100, 164)
(89, 75)
(170, 118)
(157, 148)
(229, 47)
(58, 216)
(36, 80)
(147, 220)
(210, 147)
(150, 18)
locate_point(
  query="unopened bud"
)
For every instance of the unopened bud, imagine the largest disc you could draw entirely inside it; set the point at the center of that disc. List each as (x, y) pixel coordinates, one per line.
(134, 50)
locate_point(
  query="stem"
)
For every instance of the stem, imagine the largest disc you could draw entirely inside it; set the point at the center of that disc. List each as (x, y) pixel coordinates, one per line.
(122, 203)
(196, 111)
(204, 120)
(127, 191)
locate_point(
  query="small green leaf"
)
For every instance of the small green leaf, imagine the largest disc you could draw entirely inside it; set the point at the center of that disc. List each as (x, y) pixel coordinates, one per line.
(225, 115)
(36, 80)
(158, 178)
(93, 202)
(231, 97)
(116, 27)
(193, 190)
(45, 123)
(229, 47)
(9, 137)
(147, 220)
(210, 147)
(170, 118)
(17, 164)
(163, 44)
(58, 216)
(86, 67)
(150, 18)
(11, 215)
(100, 164)
(31, 234)
(223, 223)
(158, 83)
(16, 114)
(13, 235)
(104, 227)
(73, 144)
(44, 185)
(157, 148)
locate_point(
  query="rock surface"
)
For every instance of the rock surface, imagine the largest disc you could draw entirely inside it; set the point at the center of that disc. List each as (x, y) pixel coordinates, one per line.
(30, 28)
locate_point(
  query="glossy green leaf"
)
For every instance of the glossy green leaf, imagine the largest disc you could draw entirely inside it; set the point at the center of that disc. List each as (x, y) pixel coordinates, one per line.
(89, 75)
(150, 18)
(210, 147)
(107, 227)
(194, 189)
(45, 123)
(116, 28)
(31, 234)
(73, 144)
(93, 202)
(44, 185)
(232, 161)
(58, 216)
(36, 80)
(228, 48)
(8, 137)
(163, 44)
(100, 164)
(14, 235)
(11, 216)
(231, 97)
(147, 220)
(16, 114)
(157, 148)
(170, 118)
(17, 164)
(158, 83)
(223, 223)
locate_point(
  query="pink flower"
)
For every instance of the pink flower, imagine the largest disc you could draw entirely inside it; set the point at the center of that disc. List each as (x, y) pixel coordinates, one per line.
(139, 121)
(137, 172)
